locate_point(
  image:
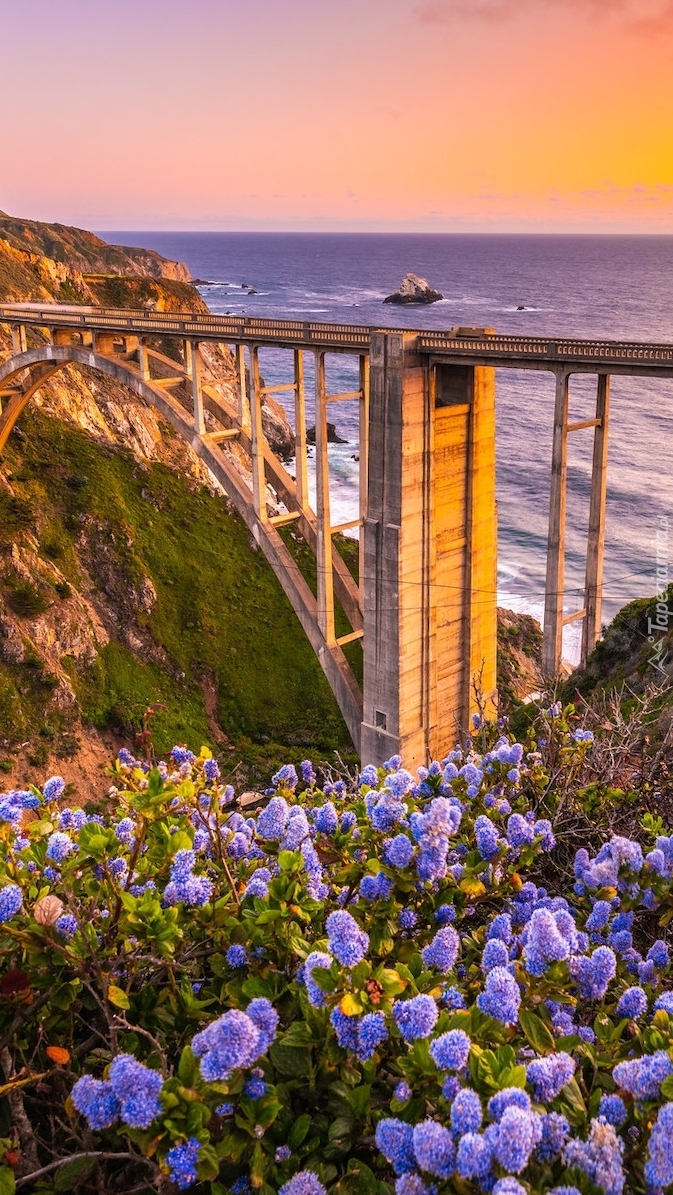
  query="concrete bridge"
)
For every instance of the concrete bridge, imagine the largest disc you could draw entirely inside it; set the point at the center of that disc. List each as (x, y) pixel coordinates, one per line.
(424, 607)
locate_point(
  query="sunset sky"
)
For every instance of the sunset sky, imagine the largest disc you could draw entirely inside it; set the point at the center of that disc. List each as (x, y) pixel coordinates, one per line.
(391, 115)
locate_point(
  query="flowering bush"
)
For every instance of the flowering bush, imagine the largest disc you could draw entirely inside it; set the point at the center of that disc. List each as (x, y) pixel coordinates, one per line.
(354, 988)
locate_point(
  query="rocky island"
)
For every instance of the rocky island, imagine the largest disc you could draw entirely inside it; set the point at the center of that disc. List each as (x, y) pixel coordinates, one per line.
(413, 289)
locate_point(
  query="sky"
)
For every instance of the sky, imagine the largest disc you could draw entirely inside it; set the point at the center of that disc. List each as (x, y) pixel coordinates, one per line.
(354, 115)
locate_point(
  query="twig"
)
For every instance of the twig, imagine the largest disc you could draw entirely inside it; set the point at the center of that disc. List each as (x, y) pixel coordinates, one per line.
(145, 1033)
(101, 1157)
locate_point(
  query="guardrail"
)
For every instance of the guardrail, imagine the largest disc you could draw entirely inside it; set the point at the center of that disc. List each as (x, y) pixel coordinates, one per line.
(354, 338)
(545, 349)
(191, 325)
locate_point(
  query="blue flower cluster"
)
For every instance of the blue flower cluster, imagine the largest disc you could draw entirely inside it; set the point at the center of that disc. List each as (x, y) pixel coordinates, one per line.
(11, 900)
(182, 1161)
(184, 887)
(347, 942)
(131, 1093)
(235, 1040)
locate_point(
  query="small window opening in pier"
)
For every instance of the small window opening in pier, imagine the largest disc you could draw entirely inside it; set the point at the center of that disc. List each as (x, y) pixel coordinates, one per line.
(380, 720)
(453, 385)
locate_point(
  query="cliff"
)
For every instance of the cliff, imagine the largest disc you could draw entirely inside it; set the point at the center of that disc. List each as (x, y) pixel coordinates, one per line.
(83, 251)
(125, 580)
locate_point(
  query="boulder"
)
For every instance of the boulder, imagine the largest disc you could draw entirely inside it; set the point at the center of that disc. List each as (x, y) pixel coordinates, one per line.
(413, 289)
(333, 436)
(277, 429)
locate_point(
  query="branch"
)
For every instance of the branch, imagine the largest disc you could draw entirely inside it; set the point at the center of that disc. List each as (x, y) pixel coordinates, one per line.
(101, 1157)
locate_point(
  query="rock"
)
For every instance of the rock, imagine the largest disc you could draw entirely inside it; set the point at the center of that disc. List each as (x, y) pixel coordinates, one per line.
(519, 656)
(277, 429)
(413, 289)
(333, 436)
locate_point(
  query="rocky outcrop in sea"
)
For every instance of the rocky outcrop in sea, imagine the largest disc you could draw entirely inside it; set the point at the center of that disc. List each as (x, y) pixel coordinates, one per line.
(413, 289)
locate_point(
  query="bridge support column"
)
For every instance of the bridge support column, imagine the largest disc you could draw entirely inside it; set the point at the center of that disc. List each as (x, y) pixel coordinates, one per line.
(19, 343)
(257, 438)
(593, 595)
(301, 458)
(322, 509)
(143, 360)
(552, 640)
(243, 399)
(363, 454)
(430, 551)
(104, 343)
(197, 392)
(60, 335)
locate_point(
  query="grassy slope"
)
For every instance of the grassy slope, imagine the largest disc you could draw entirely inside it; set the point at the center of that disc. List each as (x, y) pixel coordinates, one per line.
(219, 613)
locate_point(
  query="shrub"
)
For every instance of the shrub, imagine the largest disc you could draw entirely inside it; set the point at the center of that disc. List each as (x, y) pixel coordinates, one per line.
(298, 1001)
(25, 599)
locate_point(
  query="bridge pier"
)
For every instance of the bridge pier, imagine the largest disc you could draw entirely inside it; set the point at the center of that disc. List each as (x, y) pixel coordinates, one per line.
(430, 551)
(593, 597)
(590, 613)
(19, 343)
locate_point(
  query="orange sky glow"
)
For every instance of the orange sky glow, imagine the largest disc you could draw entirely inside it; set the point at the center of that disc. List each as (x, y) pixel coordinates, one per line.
(391, 115)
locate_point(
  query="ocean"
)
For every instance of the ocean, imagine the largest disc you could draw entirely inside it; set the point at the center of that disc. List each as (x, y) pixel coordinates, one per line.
(616, 287)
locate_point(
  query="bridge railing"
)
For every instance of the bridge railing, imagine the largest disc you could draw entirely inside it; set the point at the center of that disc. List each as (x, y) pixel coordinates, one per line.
(544, 349)
(194, 325)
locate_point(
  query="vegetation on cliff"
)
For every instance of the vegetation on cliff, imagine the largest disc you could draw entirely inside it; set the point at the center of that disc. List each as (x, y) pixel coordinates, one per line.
(125, 585)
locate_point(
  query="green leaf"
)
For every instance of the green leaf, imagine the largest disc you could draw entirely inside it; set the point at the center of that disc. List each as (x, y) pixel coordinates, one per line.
(667, 1087)
(155, 783)
(574, 1105)
(290, 860)
(359, 1100)
(68, 1175)
(187, 1068)
(323, 978)
(513, 1076)
(7, 1181)
(208, 1164)
(391, 982)
(536, 1032)
(118, 997)
(340, 1128)
(297, 1133)
(293, 1061)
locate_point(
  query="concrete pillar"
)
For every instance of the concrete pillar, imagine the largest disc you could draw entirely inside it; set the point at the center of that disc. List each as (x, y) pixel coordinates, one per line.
(593, 595)
(104, 343)
(257, 439)
(60, 335)
(243, 399)
(552, 640)
(301, 459)
(197, 392)
(187, 350)
(19, 343)
(363, 453)
(143, 360)
(322, 508)
(430, 551)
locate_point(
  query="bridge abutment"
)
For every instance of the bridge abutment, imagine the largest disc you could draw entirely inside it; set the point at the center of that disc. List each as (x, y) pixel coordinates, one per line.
(430, 551)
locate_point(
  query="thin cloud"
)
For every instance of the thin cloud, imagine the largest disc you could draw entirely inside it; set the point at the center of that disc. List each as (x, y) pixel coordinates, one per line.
(656, 24)
(655, 20)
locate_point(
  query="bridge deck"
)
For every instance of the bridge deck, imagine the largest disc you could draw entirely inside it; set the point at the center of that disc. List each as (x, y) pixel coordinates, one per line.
(470, 345)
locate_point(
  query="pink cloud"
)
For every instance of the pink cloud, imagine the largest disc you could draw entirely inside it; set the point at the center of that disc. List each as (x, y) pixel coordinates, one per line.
(657, 17)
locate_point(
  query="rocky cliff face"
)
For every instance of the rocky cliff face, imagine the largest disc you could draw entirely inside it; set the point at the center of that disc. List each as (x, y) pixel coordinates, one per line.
(84, 619)
(82, 251)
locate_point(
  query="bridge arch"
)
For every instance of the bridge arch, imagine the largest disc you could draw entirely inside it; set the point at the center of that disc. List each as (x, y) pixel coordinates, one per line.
(22, 375)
